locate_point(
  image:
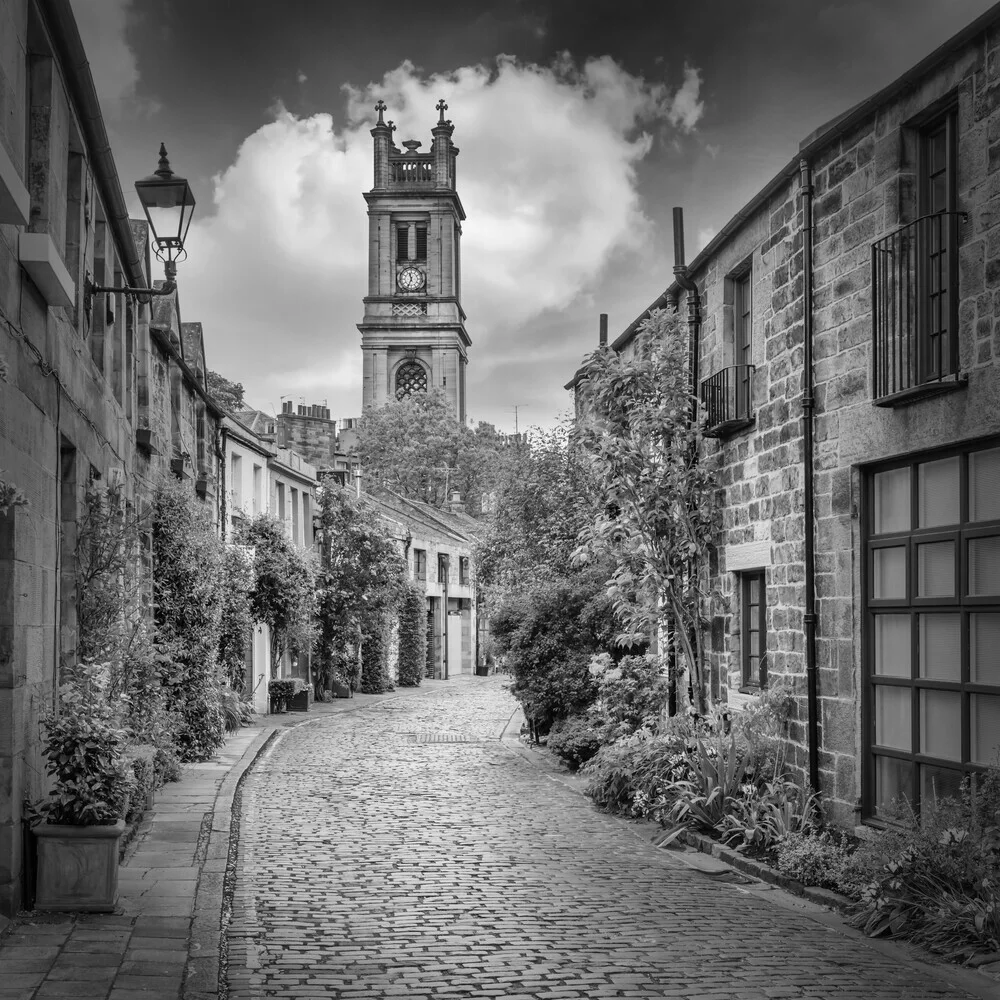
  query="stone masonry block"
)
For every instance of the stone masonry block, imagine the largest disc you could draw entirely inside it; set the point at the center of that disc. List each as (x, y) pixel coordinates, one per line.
(971, 268)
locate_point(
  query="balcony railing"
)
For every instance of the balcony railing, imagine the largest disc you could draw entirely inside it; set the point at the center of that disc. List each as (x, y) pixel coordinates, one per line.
(411, 170)
(726, 400)
(915, 310)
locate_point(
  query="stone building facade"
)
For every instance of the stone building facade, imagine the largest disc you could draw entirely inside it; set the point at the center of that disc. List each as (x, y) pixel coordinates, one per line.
(413, 335)
(438, 546)
(95, 389)
(847, 332)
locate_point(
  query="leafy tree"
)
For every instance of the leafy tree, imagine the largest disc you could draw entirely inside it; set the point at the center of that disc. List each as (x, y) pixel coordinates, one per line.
(237, 622)
(659, 511)
(282, 595)
(361, 577)
(544, 495)
(229, 395)
(416, 447)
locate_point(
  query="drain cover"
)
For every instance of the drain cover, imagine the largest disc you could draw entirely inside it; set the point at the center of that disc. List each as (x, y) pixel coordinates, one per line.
(443, 738)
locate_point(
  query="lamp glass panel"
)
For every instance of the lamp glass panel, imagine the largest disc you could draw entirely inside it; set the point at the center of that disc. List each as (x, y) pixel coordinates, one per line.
(892, 501)
(940, 643)
(941, 724)
(938, 492)
(892, 645)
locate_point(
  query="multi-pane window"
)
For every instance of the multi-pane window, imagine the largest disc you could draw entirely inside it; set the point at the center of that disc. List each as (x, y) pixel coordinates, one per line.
(419, 564)
(420, 252)
(932, 647)
(742, 342)
(937, 197)
(402, 244)
(753, 631)
(442, 568)
(463, 570)
(411, 377)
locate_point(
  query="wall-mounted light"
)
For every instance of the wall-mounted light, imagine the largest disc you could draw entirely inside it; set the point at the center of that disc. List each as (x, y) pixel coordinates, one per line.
(168, 202)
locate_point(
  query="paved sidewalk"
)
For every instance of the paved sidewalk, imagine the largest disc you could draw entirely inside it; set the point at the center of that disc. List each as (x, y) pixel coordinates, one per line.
(162, 942)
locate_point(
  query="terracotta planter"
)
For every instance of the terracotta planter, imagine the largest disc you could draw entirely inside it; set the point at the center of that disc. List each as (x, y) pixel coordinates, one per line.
(77, 867)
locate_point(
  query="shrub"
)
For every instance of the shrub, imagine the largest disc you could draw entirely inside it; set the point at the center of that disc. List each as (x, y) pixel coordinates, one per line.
(83, 750)
(375, 677)
(764, 815)
(141, 761)
(575, 740)
(167, 765)
(708, 795)
(632, 692)
(412, 637)
(547, 635)
(203, 730)
(231, 706)
(631, 776)
(281, 691)
(936, 882)
(814, 859)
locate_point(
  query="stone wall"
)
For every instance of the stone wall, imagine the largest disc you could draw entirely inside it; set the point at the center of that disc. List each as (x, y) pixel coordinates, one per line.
(864, 188)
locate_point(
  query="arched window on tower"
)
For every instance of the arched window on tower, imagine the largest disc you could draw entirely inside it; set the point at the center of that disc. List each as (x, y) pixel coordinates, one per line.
(411, 377)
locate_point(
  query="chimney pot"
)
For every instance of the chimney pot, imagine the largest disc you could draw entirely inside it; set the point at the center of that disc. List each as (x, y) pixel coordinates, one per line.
(603, 338)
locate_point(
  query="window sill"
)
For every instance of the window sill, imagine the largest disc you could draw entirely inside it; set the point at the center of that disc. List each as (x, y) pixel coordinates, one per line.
(730, 428)
(923, 391)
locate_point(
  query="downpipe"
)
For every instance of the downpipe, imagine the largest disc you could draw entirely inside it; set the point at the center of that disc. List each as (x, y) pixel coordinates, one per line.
(809, 619)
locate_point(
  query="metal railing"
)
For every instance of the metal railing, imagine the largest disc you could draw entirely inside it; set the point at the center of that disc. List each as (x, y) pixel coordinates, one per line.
(915, 306)
(727, 399)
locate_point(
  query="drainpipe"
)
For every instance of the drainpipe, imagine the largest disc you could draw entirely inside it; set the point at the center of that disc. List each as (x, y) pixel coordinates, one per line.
(693, 297)
(808, 411)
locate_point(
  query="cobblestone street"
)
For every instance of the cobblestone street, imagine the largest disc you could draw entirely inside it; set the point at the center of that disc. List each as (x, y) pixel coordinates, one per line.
(406, 851)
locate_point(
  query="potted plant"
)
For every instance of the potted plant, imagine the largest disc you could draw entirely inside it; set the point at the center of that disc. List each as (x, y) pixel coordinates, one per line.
(82, 819)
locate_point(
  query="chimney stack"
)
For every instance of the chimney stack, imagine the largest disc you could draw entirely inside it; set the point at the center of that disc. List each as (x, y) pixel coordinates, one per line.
(603, 339)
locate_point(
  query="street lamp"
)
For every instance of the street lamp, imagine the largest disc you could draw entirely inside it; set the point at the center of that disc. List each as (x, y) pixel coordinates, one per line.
(168, 202)
(169, 205)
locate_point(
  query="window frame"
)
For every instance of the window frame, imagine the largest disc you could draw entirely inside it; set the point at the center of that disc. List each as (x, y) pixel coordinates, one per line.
(420, 565)
(749, 682)
(743, 335)
(960, 604)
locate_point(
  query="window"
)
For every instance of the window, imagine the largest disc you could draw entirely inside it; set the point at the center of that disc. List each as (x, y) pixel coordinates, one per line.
(419, 564)
(281, 502)
(411, 377)
(463, 570)
(932, 624)
(294, 500)
(915, 280)
(421, 249)
(937, 196)
(236, 480)
(402, 243)
(442, 568)
(742, 344)
(753, 617)
(258, 492)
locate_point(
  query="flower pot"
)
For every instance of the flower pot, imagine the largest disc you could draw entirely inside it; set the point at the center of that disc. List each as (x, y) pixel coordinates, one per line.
(77, 867)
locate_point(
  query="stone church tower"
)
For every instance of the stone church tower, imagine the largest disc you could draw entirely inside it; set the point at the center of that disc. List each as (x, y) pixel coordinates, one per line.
(413, 333)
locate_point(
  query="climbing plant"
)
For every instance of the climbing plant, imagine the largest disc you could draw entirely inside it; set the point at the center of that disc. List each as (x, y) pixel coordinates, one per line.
(412, 636)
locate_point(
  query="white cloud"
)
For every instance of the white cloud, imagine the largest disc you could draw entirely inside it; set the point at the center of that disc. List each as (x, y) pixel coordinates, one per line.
(301, 77)
(547, 174)
(103, 25)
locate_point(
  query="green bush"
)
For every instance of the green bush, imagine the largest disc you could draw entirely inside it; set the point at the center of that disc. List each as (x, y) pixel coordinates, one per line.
(765, 815)
(632, 692)
(203, 730)
(546, 635)
(412, 637)
(141, 761)
(936, 880)
(281, 691)
(632, 775)
(575, 740)
(83, 751)
(814, 859)
(167, 765)
(375, 677)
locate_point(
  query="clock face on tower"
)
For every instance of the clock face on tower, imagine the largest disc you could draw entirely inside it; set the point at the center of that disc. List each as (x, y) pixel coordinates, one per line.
(410, 279)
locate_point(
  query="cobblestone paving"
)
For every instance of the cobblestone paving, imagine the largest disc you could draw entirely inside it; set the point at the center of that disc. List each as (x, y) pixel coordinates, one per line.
(383, 856)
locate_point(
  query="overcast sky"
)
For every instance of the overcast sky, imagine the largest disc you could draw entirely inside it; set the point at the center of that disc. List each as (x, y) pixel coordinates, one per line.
(581, 123)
